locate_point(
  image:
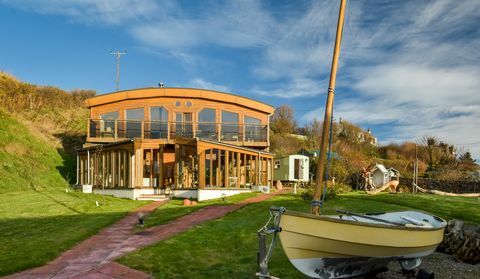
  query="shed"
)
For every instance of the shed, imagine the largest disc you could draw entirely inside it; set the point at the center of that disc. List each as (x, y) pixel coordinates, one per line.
(291, 168)
(379, 175)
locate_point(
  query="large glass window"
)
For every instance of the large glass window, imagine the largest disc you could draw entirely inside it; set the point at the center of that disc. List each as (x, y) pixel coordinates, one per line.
(183, 127)
(159, 123)
(134, 119)
(253, 129)
(206, 124)
(109, 115)
(230, 128)
(107, 124)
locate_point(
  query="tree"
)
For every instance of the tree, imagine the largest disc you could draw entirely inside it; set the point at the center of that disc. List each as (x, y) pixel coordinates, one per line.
(439, 155)
(313, 131)
(283, 121)
(466, 162)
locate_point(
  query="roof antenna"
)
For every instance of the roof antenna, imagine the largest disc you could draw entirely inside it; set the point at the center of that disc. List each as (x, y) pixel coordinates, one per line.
(118, 54)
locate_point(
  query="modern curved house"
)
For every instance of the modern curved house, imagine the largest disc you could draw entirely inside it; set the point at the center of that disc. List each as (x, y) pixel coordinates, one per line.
(187, 142)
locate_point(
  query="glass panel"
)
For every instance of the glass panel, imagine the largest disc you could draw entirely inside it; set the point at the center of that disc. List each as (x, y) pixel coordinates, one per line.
(109, 116)
(134, 114)
(230, 127)
(134, 123)
(159, 123)
(183, 124)
(252, 120)
(158, 114)
(232, 170)
(147, 167)
(108, 169)
(206, 124)
(229, 117)
(107, 124)
(221, 168)
(253, 129)
(156, 168)
(206, 115)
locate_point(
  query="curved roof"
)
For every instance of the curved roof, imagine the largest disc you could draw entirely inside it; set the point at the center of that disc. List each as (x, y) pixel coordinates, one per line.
(144, 93)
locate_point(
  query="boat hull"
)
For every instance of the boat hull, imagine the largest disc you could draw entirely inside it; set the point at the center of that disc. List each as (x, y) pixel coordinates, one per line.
(323, 247)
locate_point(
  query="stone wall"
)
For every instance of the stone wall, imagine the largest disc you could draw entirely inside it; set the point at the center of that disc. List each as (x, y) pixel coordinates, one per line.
(445, 186)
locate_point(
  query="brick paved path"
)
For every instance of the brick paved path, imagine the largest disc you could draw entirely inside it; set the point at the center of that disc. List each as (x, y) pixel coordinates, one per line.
(94, 257)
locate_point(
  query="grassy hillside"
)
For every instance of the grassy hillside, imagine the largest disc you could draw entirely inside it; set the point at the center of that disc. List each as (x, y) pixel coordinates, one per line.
(40, 217)
(26, 160)
(55, 115)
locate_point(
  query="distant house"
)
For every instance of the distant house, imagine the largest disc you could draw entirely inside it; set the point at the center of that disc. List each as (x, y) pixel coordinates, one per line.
(355, 133)
(190, 142)
(291, 168)
(367, 137)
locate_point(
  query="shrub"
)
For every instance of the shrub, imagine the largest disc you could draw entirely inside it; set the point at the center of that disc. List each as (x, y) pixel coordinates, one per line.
(333, 190)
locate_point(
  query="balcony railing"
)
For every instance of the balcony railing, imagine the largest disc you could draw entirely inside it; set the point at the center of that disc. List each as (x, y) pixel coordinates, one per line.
(129, 129)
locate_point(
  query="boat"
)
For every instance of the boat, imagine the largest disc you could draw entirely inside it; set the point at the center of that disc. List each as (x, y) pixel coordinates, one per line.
(347, 244)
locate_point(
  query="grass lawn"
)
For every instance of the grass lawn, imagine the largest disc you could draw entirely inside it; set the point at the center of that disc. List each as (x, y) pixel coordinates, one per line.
(174, 209)
(227, 247)
(35, 227)
(38, 218)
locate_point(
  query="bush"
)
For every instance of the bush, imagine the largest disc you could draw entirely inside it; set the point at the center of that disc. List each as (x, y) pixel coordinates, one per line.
(332, 191)
(307, 194)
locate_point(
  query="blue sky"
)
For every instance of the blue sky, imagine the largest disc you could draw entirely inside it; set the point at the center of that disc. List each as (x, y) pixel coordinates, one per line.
(407, 68)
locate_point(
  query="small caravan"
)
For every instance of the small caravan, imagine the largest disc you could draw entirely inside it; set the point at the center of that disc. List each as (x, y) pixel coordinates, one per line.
(291, 168)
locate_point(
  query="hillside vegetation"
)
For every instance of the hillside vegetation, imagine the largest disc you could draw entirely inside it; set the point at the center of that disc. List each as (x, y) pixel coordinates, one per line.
(26, 160)
(355, 149)
(40, 216)
(42, 125)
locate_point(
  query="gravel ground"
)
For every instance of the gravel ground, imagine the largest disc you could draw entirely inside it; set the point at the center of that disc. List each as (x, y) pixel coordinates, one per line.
(444, 266)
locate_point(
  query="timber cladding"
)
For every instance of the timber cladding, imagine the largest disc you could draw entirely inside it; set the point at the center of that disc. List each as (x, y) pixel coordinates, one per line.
(177, 100)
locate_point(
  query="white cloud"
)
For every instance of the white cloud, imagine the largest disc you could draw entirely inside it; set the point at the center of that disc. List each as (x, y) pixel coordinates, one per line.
(112, 12)
(293, 88)
(411, 63)
(238, 24)
(415, 74)
(203, 84)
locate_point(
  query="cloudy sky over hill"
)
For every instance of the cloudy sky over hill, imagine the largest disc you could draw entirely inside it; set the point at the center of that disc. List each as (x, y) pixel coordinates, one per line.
(408, 68)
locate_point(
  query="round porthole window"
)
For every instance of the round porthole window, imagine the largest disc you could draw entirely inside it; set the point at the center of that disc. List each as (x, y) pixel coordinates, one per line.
(188, 104)
(178, 104)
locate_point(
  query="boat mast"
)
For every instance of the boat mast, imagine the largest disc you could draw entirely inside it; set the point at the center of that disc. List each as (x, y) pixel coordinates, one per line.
(315, 207)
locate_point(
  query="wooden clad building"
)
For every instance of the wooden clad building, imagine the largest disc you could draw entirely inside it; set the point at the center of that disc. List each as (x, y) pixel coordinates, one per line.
(175, 140)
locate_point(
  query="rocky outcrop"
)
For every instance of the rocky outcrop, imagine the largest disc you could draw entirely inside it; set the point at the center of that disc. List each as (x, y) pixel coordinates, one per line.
(462, 241)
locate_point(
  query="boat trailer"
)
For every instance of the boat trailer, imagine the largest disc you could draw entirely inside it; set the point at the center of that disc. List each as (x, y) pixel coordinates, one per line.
(264, 254)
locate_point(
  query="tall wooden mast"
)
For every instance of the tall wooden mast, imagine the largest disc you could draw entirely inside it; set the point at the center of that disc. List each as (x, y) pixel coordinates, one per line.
(320, 179)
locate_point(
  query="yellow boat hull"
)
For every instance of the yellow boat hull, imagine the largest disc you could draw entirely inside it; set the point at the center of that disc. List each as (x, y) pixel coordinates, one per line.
(326, 247)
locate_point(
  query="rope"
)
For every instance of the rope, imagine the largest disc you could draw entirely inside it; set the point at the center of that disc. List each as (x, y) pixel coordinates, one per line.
(329, 159)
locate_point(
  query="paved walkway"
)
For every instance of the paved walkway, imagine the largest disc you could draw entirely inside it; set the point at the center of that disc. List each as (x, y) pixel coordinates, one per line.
(94, 257)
